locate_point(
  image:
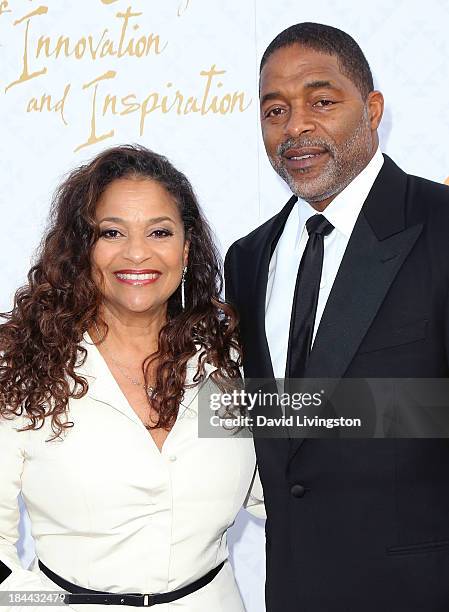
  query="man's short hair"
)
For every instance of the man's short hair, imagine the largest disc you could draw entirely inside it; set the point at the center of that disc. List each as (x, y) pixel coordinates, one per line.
(331, 41)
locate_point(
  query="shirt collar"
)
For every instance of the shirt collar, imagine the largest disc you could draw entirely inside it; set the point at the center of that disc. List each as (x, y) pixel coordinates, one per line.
(95, 364)
(344, 209)
(103, 386)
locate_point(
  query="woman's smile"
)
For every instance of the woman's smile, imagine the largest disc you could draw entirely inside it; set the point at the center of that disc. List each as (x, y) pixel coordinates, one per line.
(137, 278)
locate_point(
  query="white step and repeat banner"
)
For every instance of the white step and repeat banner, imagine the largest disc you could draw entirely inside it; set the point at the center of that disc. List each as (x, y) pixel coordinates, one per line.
(181, 77)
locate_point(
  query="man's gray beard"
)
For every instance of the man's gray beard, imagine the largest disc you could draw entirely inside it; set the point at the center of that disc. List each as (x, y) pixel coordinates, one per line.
(346, 162)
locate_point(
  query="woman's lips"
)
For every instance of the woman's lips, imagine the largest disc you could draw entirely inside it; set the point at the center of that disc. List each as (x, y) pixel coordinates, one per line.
(137, 277)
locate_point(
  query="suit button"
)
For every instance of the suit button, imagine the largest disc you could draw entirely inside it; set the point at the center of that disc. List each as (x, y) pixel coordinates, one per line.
(297, 490)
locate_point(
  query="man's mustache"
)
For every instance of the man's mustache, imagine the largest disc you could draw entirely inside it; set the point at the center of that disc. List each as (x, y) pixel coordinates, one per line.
(298, 143)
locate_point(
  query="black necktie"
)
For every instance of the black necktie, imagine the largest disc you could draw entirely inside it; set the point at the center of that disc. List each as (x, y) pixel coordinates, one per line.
(305, 298)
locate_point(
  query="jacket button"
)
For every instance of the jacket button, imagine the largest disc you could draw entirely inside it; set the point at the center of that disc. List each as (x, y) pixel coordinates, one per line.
(297, 490)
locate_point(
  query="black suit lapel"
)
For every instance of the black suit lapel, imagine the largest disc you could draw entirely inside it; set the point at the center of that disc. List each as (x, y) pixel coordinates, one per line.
(257, 358)
(365, 275)
(378, 247)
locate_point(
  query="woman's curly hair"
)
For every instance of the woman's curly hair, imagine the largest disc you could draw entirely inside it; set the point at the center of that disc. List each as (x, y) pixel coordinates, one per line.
(41, 339)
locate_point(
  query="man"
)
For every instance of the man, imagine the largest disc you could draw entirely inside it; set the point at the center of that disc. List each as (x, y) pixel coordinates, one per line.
(353, 525)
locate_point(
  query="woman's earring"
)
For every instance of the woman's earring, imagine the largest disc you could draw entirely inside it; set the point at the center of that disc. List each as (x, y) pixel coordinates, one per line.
(183, 281)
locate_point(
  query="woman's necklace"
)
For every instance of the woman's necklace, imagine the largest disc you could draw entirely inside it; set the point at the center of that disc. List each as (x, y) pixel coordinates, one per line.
(149, 390)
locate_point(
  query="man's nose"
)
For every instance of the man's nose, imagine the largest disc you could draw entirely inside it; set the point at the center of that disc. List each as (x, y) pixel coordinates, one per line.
(299, 122)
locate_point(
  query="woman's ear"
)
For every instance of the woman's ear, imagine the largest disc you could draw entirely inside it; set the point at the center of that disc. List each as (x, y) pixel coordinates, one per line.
(186, 252)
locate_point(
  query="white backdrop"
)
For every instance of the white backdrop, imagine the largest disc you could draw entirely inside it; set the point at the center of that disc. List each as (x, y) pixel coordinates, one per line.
(181, 76)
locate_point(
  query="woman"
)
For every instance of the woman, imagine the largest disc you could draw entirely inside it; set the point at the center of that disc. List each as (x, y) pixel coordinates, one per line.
(104, 353)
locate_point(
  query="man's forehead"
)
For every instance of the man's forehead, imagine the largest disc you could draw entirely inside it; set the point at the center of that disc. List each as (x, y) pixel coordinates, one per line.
(298, 65)
(295, 61)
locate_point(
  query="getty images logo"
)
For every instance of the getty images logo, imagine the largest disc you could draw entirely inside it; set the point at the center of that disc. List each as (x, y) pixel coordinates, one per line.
(247, 400)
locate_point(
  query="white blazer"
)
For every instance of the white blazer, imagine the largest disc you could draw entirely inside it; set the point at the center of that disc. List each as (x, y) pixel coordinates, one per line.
(110, 512)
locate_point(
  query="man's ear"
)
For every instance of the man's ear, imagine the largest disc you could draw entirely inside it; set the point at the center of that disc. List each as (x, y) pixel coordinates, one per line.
(375, 103)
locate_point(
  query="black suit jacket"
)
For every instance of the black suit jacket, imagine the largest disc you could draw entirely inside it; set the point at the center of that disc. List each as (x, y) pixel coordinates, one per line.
(371, 531)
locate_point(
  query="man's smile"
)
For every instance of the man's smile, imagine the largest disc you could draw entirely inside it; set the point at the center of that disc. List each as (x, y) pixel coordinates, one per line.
(304, 157)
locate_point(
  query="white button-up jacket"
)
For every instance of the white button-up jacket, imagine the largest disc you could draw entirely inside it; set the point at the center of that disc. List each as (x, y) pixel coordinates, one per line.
(110, 512)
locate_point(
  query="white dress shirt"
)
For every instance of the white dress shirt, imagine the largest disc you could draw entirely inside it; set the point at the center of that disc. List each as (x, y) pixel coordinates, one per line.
(111, 512)
(342, 212)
